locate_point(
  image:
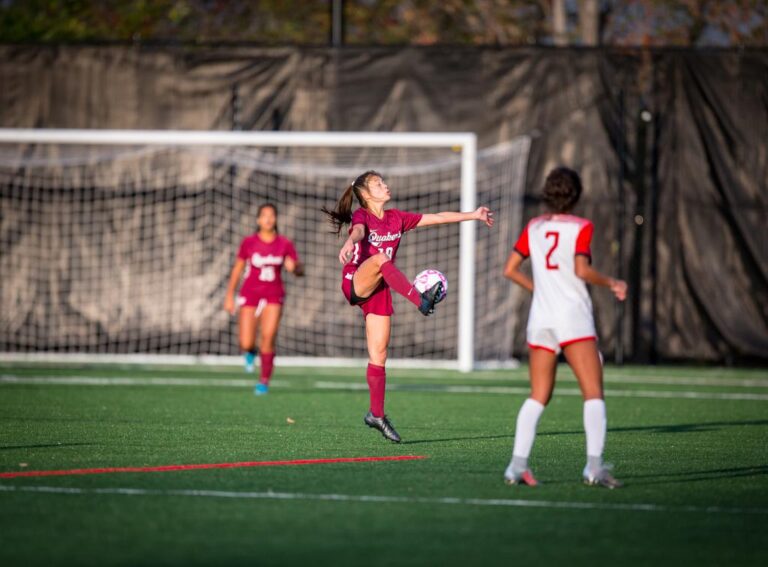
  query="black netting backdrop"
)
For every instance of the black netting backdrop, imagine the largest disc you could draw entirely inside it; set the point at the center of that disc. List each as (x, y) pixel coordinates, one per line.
(110, 249)
(678, 193)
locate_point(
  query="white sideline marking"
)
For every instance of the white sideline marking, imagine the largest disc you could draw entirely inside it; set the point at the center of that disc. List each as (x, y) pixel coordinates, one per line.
(512, 503)
(352, 386)
(610, 378)
(687, 381)
(127, 381)
(560, 391)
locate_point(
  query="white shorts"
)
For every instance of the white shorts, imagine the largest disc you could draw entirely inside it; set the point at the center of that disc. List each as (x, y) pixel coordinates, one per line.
(555, 339)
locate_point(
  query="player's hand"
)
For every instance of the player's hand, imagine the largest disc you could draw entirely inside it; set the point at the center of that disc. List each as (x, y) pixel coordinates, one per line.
(229, 305)
(484, 214)
(346, 251)
(619, 289)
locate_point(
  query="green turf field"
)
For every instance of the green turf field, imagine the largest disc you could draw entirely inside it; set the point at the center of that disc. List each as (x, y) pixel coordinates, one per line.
(690, 444)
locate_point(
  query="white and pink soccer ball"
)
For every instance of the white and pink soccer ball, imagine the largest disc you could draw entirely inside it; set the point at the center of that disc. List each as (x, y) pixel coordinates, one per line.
(426, 279)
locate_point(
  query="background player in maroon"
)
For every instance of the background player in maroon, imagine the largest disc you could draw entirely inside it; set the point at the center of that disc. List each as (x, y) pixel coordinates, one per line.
(561, 319)
(369, 272)
(262, 257)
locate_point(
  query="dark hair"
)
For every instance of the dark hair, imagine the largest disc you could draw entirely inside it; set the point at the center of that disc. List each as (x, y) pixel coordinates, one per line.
(342, 214)
(562, 189)
(267, 206)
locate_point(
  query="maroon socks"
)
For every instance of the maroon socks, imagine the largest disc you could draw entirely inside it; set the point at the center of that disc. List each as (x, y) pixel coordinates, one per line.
(397, 281)
(267, 365)
(377, 384)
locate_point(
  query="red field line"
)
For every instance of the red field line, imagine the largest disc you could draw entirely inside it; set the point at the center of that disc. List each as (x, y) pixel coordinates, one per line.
(168, 468)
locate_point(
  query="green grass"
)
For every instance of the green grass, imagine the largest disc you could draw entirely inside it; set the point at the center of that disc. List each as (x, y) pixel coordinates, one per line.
(701, 464)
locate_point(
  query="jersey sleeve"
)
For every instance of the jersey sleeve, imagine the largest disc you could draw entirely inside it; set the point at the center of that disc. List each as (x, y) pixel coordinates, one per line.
(584, 241)
(358, 217)
(409, 220)
(290, 251)
(521, 246)
(242, 252)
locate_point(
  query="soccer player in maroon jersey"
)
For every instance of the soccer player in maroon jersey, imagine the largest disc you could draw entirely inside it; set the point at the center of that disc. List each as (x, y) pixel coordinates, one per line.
(262, 257)
(369, 272)
(561, 319)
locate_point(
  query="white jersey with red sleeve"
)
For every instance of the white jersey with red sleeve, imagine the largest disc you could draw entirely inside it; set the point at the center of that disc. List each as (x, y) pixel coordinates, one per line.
(561, 306)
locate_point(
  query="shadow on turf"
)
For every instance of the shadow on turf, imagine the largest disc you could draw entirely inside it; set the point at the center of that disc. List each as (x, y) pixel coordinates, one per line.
(677, 428)
(694, 476)
(46, 446)
(450, 439)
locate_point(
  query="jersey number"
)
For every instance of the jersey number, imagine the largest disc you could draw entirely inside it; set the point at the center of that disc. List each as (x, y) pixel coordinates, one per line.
(267, 274)
(556, 236)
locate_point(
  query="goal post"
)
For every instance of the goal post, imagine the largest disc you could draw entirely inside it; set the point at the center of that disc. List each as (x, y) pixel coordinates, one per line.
(276, 155)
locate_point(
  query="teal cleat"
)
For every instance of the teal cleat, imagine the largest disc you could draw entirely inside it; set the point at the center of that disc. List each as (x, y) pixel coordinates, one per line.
(250, 360)
(261, 389)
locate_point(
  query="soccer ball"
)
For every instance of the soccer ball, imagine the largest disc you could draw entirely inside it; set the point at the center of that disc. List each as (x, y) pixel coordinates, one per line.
(426, 279)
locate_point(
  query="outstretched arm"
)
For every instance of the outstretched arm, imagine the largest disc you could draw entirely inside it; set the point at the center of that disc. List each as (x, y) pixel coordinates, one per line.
(592, 276)
(512, 271)
(355, 235)
(481, 214)
(234, 278)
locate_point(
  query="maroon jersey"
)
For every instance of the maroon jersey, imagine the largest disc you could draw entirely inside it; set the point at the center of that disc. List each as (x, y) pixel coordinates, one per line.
(264, 264)
(381, 235)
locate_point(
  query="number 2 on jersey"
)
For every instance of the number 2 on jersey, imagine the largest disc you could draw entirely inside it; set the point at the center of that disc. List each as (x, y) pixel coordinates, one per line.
(556, 236)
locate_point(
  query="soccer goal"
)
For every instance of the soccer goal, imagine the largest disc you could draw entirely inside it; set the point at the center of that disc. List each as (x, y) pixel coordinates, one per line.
(117, 245)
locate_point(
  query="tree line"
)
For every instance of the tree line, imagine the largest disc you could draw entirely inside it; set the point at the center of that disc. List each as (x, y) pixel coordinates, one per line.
(688, 23)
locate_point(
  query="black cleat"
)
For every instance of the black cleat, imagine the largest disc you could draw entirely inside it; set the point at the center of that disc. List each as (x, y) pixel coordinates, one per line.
(383, 425)
(430, 297)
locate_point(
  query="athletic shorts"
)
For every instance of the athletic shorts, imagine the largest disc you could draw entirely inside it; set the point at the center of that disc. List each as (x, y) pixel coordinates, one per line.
(378, 303)
(257, 300)
(553, 340)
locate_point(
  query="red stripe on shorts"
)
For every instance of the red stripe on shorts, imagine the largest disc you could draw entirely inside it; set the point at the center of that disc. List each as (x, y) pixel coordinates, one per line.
(580, 339)
(540, 347)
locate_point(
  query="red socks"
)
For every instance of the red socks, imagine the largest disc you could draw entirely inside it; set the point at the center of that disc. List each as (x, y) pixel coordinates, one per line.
(397, 281)
(377, 384)
(267, 365)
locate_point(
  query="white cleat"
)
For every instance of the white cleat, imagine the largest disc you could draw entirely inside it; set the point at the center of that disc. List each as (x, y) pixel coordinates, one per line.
(601, 477)
(525, 477)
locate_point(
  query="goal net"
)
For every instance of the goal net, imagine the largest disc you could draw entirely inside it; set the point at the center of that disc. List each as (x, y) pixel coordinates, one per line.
(121, 243)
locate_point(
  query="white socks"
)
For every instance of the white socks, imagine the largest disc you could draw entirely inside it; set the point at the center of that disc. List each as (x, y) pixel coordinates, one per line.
(525, 432)
(595, 425)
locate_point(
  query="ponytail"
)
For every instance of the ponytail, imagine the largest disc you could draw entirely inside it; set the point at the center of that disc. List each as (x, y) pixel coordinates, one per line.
(342, 214)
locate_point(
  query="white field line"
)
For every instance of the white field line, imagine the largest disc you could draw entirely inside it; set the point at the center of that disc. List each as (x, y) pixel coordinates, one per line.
(522, 376)
(352, 386)
(560, 391)
(502, 502)
(687, 381)
(516, 375)
(128, 381)
(610, 379)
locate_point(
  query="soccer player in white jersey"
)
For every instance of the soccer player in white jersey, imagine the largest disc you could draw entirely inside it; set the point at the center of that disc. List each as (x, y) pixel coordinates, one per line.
(560, 319)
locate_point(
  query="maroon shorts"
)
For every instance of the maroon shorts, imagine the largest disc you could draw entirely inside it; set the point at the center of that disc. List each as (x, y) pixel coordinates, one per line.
(378, 303)
(258, 300)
